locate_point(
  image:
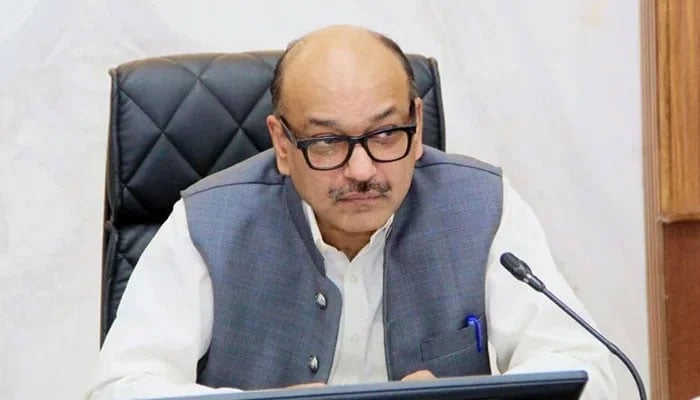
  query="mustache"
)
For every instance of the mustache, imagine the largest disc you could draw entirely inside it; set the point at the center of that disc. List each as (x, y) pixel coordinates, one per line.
(359, 187)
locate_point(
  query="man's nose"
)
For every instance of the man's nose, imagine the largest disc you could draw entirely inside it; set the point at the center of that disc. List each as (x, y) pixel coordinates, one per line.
(360, 166)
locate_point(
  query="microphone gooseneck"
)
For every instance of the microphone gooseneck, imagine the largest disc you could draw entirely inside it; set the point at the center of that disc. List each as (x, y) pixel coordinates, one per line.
(523, 273)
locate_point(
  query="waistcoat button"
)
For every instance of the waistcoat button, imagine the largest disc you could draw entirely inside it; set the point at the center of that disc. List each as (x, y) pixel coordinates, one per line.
(321, 300)
(313, 364)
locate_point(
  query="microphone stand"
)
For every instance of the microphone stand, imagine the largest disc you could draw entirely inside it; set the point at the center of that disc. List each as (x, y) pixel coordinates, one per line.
(522, 272)
(610, 345)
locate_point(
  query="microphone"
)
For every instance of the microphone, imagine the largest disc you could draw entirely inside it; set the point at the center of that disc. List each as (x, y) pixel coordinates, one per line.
(522, 272)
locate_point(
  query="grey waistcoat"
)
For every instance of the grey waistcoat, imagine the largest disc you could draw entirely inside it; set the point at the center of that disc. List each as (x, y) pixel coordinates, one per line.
(248, 224)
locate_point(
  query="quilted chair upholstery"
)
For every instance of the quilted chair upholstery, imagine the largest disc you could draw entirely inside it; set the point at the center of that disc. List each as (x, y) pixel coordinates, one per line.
(177, 119)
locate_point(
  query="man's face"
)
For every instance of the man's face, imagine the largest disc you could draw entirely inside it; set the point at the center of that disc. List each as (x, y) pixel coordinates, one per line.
(359, 196)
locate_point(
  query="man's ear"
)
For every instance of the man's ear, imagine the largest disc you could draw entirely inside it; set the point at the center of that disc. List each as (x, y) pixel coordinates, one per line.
(279, 143)
(418, 137)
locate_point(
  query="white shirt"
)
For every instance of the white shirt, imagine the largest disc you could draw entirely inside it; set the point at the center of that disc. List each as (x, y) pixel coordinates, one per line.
(163, 326)
(359, 350)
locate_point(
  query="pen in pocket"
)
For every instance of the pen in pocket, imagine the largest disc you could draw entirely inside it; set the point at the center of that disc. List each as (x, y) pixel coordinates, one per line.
(473, 320)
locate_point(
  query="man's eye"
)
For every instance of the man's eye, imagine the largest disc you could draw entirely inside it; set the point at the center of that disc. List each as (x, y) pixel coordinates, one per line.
(388, 137)
(327, 146)
(330, 141)
(387, 134)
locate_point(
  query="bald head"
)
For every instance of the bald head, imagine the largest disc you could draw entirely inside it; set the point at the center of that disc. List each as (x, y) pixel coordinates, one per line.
(339, 55)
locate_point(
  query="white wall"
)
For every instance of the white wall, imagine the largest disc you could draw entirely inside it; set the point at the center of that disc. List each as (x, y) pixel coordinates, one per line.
(547, 89)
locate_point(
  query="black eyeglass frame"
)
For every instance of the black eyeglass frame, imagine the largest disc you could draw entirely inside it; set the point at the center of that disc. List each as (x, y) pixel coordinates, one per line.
(303, 144)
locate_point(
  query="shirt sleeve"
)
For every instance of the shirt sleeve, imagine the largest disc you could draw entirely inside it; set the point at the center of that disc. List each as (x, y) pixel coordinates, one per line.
(527, 331)
(163, 325)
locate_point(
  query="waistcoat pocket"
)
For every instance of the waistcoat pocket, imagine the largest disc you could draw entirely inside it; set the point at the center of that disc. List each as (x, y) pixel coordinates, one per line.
(455, 341)
(448, 343)
(455, 353)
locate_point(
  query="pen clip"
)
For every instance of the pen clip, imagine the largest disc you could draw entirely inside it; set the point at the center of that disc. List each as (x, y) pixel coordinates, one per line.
(473, 320)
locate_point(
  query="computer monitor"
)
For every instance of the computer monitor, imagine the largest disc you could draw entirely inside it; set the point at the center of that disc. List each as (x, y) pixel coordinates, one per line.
(566, 385)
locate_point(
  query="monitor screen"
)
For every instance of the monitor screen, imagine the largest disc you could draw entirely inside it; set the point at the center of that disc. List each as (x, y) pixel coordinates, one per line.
(566, 385)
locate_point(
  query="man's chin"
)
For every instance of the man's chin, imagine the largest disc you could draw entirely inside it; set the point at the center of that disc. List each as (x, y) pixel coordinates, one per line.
(364, 222)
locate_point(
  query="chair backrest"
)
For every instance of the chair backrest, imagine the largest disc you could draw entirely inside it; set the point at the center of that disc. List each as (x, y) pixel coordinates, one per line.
(177, 119)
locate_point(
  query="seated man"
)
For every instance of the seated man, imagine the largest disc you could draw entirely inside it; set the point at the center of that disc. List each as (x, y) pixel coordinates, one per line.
(348, 253)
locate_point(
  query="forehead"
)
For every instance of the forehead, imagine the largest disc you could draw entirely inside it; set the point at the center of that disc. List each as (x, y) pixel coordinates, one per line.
(344, 83)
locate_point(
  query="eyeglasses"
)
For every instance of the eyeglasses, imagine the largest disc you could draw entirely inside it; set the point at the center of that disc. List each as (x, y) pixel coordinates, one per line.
(326, 152)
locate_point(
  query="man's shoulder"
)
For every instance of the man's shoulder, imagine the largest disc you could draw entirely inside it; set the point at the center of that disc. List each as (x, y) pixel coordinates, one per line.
(259, 170)
(433, 158)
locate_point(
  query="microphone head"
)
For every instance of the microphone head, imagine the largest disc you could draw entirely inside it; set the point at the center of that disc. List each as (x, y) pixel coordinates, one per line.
(515, 266)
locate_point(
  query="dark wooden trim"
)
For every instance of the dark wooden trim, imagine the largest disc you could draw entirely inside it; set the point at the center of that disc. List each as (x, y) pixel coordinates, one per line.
(681, 262)
(656, 294)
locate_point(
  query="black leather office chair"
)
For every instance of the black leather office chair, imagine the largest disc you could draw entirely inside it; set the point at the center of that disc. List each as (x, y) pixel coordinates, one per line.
(175, 120)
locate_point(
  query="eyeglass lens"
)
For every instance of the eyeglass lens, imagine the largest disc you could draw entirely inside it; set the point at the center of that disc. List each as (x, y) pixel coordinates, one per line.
(332, 152)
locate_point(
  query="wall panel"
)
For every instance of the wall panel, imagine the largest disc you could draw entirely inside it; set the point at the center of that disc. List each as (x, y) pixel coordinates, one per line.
(673, 180)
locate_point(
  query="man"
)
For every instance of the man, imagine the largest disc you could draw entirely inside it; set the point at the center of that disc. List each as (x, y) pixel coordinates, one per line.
(349, 253)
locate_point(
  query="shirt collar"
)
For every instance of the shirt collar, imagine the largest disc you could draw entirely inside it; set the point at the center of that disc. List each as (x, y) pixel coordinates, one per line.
(316, 232)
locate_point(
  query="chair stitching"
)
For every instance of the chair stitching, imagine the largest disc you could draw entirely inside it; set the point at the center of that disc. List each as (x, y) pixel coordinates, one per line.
(179, 152)
(199, 78)
(138, 200)
(431, 87)
(182, 101)
(124, 257)
(229, 145)
(148, 152)
(247, 114)
(255, 56)
(204, 69)
(167, 124)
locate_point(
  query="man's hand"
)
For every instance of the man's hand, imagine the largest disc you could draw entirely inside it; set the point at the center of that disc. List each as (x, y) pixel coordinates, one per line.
(306, 385)
(422, 375)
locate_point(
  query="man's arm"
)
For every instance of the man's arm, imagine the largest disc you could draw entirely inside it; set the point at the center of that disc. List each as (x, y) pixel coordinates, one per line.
(528, 332)
(164, 322)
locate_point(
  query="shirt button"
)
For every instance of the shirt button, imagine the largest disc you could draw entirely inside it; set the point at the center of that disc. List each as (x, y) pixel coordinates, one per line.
(355, 338)
(321, 301)
(353, 278)
(313, 364)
